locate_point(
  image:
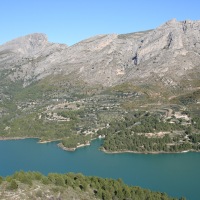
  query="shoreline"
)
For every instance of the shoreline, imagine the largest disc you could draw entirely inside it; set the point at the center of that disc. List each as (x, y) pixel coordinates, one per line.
(17, 138)
(60, 145)
(150, 152)
(40, 141)
(47, 141)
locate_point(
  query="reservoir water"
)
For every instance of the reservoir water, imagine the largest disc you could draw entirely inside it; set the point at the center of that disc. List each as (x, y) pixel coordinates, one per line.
(176, 174)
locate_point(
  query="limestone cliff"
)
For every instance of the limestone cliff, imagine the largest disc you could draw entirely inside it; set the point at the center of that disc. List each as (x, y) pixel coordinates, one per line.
(170, 50)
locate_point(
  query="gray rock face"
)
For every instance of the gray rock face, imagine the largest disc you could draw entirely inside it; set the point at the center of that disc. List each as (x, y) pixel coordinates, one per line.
(27, 45)
(168, 51)
(26, 58)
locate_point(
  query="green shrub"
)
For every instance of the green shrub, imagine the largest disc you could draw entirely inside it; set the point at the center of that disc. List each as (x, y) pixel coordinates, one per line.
(13, 185)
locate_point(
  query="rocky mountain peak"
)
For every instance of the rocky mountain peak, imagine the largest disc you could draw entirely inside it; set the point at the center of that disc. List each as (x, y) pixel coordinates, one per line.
(171, 22)
(169, 50)
(37, 38)
(172, 37)
(27, 45)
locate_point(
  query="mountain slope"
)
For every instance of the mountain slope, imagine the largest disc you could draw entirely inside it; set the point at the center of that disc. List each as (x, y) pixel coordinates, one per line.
(52, 91)
(26, 58)
(172, 49)
(33, 185)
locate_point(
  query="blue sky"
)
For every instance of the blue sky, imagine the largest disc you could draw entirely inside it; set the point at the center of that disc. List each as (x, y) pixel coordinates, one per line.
(70, 21)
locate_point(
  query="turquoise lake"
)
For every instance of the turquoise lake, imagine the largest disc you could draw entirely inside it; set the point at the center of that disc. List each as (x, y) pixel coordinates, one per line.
(176, 174)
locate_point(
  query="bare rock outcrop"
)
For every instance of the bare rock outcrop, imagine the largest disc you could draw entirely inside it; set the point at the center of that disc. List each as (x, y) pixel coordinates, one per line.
(26, 58)
(170, 50)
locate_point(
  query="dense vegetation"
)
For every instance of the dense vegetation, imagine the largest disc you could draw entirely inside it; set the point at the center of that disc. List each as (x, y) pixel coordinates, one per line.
(76, 140)
(189, 98)
(66, 109)
(92, 187)
(140, 143)
(129, 135)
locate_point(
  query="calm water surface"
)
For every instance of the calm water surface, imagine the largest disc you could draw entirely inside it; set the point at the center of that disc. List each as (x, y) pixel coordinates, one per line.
(176, 174)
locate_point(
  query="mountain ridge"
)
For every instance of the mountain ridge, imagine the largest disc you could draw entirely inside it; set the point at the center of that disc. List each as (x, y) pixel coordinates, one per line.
(107, 59)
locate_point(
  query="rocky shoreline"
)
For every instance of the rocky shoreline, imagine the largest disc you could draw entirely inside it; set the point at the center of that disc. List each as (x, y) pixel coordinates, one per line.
(17, 138)
(47, 141)
(150, 152)
(23, 138)
(71, 149)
